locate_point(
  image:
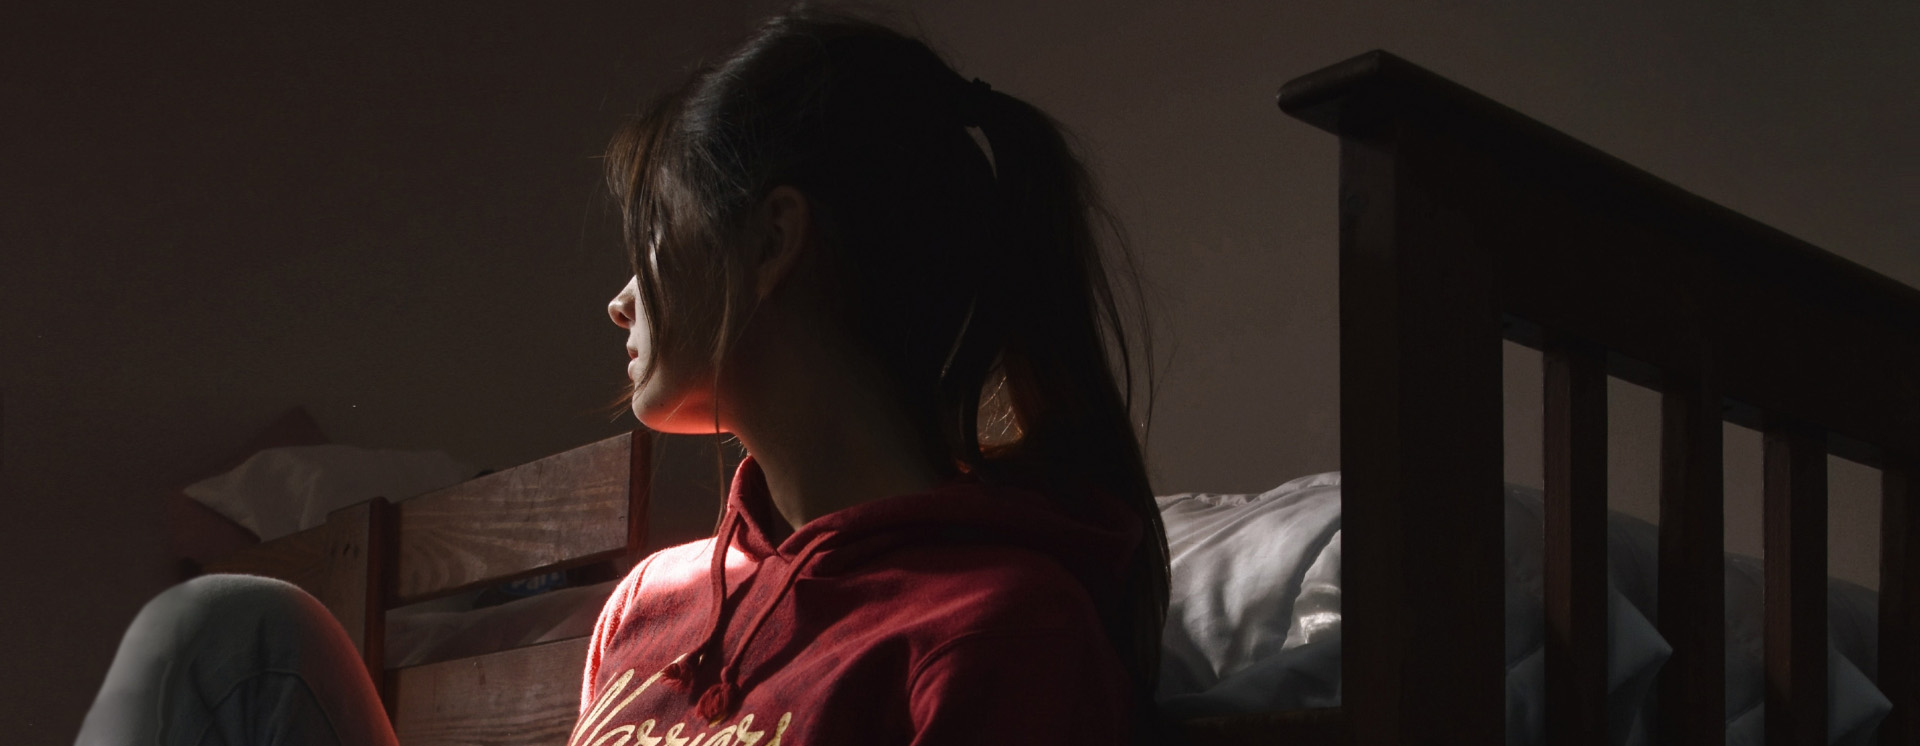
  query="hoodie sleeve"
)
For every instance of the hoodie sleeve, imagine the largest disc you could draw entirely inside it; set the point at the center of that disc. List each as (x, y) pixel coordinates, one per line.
(604, 628)
(1021, 687)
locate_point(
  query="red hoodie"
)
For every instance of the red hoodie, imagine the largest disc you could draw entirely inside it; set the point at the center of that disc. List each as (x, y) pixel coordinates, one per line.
(961, 615)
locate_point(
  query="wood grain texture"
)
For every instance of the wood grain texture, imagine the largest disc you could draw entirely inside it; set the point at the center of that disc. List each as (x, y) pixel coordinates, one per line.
(521, 697)
(1421, 449)
(303, 558)
(1795, 531)
(567, 509)
(1899, 604)
(333, 561)
(1576, 544)
(343, 563)
(1316, 727)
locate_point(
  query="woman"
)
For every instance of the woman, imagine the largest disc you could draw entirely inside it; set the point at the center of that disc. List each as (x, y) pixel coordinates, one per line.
(829, 266)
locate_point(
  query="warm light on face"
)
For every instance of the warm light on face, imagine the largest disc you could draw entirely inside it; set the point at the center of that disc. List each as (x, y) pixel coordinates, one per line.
(672, 399)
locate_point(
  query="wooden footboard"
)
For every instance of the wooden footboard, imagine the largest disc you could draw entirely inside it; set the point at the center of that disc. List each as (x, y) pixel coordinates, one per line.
(1463, 222)
(582, 506)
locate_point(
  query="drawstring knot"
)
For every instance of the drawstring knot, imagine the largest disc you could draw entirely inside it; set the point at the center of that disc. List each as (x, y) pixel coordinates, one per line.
(717, 703)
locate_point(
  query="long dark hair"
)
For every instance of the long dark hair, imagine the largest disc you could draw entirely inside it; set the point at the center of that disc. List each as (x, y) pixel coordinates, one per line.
(975, 279)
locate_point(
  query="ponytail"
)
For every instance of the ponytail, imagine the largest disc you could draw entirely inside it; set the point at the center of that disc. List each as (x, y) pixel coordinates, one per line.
(1047, 298)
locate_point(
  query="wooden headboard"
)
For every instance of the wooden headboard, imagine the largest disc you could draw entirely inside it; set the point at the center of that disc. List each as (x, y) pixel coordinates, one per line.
(1462, 223)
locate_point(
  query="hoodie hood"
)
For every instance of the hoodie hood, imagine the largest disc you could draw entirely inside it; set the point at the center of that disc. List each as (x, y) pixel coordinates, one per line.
(1085, 532)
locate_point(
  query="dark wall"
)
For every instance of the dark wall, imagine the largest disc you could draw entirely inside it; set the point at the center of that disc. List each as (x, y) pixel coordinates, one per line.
(1795, 114)
(388, 214)
(390, 217)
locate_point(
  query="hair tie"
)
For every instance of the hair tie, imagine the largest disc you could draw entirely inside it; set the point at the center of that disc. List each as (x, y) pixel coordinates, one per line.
(973, 102)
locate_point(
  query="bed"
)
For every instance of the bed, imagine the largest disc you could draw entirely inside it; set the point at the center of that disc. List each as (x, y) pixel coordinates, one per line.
(1462, 223)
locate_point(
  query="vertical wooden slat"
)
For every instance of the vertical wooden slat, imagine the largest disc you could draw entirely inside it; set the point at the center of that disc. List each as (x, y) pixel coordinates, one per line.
(345, 563)
(639, 492)
(1796, 587)
(1576, 544)
(354, 588)
(1692, 603)
(1421, 448)
(382, 570)
(1899, 605)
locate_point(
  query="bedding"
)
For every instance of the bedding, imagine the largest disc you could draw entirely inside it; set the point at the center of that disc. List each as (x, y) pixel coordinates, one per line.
(1254, 621)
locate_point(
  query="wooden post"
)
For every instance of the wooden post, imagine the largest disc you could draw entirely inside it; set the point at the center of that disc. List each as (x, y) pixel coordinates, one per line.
(346, 563)
(1423, 645)
(355, 587)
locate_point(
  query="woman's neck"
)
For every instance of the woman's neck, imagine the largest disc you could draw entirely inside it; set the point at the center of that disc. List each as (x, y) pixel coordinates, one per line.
(825, 430)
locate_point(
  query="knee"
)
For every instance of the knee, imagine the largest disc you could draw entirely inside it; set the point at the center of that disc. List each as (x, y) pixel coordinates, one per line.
(221, 587)
(234, 592)
(221, 604)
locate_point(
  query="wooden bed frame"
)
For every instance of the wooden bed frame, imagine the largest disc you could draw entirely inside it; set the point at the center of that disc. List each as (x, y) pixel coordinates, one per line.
(577, 508)
(1461, 223)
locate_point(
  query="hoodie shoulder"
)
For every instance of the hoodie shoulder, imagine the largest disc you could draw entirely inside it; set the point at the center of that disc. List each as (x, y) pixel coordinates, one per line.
(967, 589)
(665, 578)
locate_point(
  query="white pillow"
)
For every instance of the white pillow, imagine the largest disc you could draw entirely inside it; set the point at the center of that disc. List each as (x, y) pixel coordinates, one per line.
(1254, 619)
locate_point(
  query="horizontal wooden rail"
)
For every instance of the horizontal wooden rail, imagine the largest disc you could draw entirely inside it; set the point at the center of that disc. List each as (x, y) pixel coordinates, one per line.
(1313, 727)
(571, 508)
(526, 696)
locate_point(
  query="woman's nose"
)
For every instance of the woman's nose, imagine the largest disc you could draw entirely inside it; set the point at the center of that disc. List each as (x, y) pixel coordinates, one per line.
(621, 308)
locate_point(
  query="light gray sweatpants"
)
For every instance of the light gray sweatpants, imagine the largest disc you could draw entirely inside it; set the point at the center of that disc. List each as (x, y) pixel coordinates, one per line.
(236, 660)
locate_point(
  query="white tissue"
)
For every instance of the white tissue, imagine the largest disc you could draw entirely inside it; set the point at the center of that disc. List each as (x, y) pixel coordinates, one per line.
(282, 490)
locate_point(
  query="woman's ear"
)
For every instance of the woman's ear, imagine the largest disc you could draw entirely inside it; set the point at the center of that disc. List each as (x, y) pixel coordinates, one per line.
(788, 232)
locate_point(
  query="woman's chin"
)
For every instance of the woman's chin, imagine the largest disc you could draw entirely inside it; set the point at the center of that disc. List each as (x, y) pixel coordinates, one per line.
(674, 420)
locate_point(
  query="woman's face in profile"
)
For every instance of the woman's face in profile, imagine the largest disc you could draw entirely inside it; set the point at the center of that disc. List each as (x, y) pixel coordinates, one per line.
(665, 402)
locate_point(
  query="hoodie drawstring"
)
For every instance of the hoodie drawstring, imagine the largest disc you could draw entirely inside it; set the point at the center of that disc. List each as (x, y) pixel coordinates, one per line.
(718, 701)
(681, 670)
